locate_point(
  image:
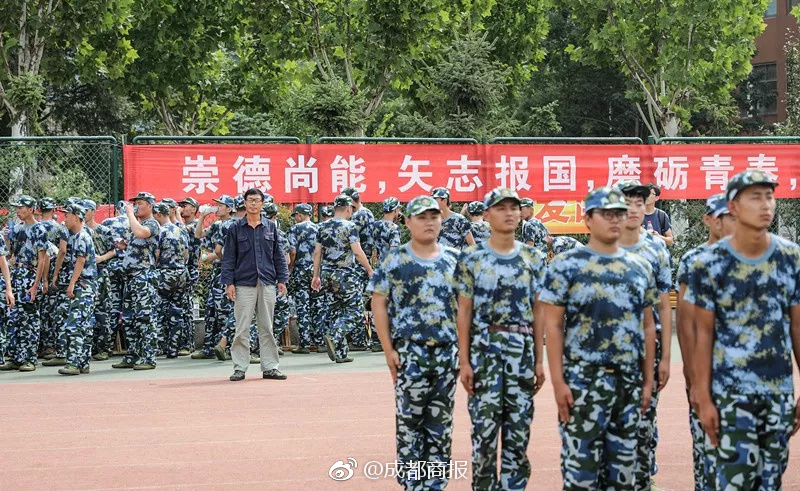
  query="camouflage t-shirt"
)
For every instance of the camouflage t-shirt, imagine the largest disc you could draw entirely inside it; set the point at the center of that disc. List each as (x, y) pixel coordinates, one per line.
(534, 231)
(335, 236)
(78, 245)
(604, 297)
(194, 245)
(120, 228)
(302, 240)
(502, 287)
(386, 236)
(173, 246)
(50, 231)
(563, 243)
(454, 231)
(421, 293)
(686, 262)
(283, 241)
(363, 218)
(102, 240)
(25, 245)
(751, 300)
(140, 254)
(481, 231)
(655, 252)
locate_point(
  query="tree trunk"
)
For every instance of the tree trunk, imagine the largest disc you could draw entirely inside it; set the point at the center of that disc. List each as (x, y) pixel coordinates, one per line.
(670, 125)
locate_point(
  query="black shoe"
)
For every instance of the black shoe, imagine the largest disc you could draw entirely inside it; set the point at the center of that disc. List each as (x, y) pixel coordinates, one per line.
(274, 374)
(301, 351)
(220, 352)
(237, 376)
(329, 347)
(346, 359)
(359, 348)
(377, 348)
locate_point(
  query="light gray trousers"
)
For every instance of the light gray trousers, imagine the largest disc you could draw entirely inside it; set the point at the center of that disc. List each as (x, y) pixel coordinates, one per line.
(261, 300)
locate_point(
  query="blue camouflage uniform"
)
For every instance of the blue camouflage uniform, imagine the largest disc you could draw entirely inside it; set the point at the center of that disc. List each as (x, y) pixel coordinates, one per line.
(78, 326)
(193, 275)
(102, 334)
(534, 231)
(481, 231)
(141, 296)
(563, 243)
(751, 375)
(454, 231)
(341, 282)
(3, 307)
(422, 302)
(282, 302)
(302, 240)
(172, 278)
(50, 232)
(120, 228)
(604, 297)
(363, 219)
(385, 237)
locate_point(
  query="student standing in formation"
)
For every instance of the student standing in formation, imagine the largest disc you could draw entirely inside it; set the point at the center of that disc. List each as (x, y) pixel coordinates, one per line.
(385, 237)
(720, 224)
(480, 229)
(500, 352)
(455, 227)
(601, 355)
(414, 303)
(534, 232)
(746, 293)
(302, 238)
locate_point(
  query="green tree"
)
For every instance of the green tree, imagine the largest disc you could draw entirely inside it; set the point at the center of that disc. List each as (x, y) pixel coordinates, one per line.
(675, 53)
(58, 41)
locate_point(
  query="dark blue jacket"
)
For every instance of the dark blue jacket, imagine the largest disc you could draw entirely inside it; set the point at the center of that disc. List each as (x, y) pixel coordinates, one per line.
(252, 254)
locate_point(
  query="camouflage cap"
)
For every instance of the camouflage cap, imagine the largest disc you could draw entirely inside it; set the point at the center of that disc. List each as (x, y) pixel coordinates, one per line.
(525, 203)
(750, 177)
(327, 211)
(633, 187)
(269, 210)
(717, 205)
(238, 202)
(442, 193)
(342, 200)
(226, 200)
(24, 200)
(76, 210)
(169, 202)
(605, 198)
(120, 206)
(144, 195)
(47, 203)
(352, 192)
(161, 208)
(497, 195)
(268, 198)
(303, 209)
(421, 204)
(390, 204)
(189, 201)
(71, 201)
(89, 204)
(476, 208)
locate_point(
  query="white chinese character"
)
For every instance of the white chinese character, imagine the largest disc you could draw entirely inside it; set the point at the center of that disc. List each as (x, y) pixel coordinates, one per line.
(623, 169)
(716, 169)
(391, 469)
(436, 470)
(671, 172)
(252, 172)
(199, 174)
(414, 175)
(415, 470)
(457, 469)
(459, 177)
(513, 173)
(559, 173)
(765, 164)
(301, 174)
(347, 173)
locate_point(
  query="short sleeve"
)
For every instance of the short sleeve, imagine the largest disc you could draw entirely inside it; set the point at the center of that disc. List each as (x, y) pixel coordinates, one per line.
(379, 282)
(700, 290)
(664, 273)
(394, 241)
(651, 294)
(465, 280)
(527, 232)
(292, 238)
(540, 270)
(153, 227)
(667, 221)
(352, 235)
(557, 279)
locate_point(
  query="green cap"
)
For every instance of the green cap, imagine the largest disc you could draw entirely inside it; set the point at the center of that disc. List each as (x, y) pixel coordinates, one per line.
(47, 204)
(169, 202)
(144, 195)
(76, 210)
(24, 200)
(605, 198)
(269, 210)
(390, 204)
(497, 195)
(421, 204)
(441, 193)
(161, 208)
(342, 200)
(189, 201)
(327, 211)
(525, 203)
(303, 209)
(476, 208)
(750, 177)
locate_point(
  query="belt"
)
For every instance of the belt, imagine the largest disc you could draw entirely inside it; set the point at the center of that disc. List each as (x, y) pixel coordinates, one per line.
(527, 330)
(430, 343)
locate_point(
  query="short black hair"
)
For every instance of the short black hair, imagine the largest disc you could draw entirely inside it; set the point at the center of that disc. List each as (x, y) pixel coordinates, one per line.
(638, 193)
(653, 187)
(253, 192)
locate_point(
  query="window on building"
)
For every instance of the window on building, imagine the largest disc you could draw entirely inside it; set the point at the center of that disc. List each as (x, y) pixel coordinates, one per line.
(765, 81)
(772, 9)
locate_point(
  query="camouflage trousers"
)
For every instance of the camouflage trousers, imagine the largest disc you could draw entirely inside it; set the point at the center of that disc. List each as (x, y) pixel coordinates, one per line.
(502, 407)
(424, 396)
(24, 321)
(281, 317)
(171, 293)
(103, 333)
(186, 340)
(698, 449)
(599, 441)
(217, 320)
(139, 317)
(344, 310)
(78, 327)
(3, 321)
(116, 293)
(754, 433)
(358, 337)
(48, 304)
(648, 432)
(308, 304)
(60, 319)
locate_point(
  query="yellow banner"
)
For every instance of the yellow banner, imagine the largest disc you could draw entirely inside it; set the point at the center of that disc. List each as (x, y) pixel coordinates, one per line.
(562, 217)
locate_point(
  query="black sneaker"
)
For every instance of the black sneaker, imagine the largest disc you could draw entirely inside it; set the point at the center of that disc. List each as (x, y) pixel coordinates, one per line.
(274, 374)
(301, 351)
(346, 359)
(237, 376)
(329, 348)
(219, 351)
(377, 348)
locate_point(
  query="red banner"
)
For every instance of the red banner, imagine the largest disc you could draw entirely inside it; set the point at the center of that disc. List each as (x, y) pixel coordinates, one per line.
(547, 173)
